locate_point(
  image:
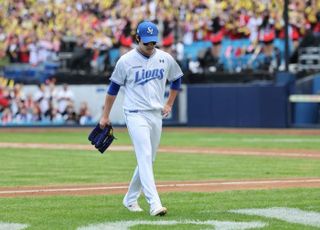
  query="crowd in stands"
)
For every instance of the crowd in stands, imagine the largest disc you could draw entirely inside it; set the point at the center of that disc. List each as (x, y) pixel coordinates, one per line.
(49, 104)
(35, 31)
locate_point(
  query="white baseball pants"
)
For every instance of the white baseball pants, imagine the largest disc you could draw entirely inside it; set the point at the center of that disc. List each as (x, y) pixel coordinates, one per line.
(145, 131)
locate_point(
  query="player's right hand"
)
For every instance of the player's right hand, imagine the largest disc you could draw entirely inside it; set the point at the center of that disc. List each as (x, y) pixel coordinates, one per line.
(104, 121)
(166, 110)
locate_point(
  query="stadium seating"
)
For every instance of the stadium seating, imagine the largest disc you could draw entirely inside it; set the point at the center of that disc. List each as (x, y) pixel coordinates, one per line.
(26, 73)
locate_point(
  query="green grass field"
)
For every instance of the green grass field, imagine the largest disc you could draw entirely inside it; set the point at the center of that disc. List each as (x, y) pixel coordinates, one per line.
(187, 210)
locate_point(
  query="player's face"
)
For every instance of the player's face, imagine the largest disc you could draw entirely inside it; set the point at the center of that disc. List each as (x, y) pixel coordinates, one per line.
(147, 48)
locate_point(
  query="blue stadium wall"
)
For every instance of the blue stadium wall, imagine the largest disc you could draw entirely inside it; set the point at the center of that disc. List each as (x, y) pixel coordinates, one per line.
(237, 105)
(307, 114)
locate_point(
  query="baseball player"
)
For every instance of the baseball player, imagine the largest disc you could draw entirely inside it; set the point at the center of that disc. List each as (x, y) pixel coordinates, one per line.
(143, 73)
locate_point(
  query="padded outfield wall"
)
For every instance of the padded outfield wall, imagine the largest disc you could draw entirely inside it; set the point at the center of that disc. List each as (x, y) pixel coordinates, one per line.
(238, 105)
(212, 105)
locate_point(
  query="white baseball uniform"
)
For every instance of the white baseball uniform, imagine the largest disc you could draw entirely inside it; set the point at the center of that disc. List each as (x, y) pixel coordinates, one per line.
(144, 80)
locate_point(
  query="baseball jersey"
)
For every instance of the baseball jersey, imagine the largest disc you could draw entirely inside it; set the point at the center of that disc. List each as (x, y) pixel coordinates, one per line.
(144, 79)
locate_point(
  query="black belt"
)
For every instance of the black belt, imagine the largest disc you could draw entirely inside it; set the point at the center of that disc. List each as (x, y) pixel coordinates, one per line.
(133, 111)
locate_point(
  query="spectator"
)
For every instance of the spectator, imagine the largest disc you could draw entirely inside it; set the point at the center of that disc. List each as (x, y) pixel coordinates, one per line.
(315, 24)
(70, 115)
(126, 38)
(29, 103)
(53, 93)
(56, 117)
(266, 36)
(17, 98)
(45, 49)
(253, 24)
(4, 98)
(41, 98)
(209, 62)
(80, 59)
(24, 52)
(6, 116)
(65, 97)
(33, 51)
(85, 116)
(168, 33)
(36, 114)
(17, 92)
(100, 55)
(23, 116)
(13, 49)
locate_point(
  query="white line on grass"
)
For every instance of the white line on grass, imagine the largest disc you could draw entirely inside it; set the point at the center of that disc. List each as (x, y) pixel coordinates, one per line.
(63, 189)
(264, 140)
(218, 225)
(78, 189)
(241, 183)
(12, 226)
(291, 140)
(291, 215)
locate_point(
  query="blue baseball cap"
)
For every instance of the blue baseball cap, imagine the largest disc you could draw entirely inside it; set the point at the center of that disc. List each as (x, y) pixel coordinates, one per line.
(148, 32)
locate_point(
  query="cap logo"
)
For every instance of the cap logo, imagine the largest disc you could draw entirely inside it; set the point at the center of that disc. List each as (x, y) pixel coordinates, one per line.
(150, 30)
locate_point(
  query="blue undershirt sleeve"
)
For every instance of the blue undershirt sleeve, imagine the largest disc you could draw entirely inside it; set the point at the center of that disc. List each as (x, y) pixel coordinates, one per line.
(176, 84)
(113, 88)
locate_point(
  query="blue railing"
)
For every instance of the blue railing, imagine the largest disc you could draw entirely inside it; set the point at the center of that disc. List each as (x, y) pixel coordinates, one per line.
(29, 73)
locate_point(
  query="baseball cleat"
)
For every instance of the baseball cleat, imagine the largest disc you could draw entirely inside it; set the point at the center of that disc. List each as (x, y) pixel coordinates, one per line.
(133, 207)
(159, 212)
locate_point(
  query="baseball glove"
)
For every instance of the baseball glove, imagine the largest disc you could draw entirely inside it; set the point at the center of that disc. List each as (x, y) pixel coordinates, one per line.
(101, 138)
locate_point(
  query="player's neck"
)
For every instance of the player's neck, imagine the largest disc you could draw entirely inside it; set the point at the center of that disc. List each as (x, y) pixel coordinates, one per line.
(146, 55)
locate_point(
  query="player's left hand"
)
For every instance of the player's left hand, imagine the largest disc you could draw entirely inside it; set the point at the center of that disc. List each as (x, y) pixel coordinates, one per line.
(101, 138)
(166, 110)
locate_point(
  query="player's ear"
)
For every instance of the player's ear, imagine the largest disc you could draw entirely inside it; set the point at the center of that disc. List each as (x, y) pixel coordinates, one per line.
(137, 38)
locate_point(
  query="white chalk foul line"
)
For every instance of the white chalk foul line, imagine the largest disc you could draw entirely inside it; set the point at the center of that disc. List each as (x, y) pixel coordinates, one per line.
(60, 146)
(218, 225)
(63, 189)
(291, 215)
(241, 183)
(79, 189)
(12, 226)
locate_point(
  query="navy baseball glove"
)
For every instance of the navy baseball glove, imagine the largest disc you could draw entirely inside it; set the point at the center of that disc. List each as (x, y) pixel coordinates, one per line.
(101, 138)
